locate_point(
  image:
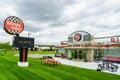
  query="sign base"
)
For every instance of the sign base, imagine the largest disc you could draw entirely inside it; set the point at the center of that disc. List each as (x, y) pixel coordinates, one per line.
(23, 64)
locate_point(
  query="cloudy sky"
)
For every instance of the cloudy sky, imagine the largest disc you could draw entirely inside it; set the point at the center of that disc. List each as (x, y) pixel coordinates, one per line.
(52, 21)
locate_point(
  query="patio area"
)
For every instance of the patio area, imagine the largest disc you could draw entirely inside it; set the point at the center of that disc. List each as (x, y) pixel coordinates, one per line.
(89, 65)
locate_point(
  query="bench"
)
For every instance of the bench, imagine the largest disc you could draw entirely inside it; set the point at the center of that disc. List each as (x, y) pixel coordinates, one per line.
(106, 65)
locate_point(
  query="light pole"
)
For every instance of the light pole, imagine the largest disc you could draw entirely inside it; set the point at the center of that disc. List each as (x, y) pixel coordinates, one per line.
(29, 34)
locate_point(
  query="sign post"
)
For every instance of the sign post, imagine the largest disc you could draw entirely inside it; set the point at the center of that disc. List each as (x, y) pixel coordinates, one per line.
(23, 43)
(23, 57)
(14, 26)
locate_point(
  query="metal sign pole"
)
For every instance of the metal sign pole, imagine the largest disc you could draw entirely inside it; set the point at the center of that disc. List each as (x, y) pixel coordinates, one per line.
(23, 52)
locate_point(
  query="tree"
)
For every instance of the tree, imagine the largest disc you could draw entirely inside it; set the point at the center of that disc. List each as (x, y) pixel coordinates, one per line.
(5, 46)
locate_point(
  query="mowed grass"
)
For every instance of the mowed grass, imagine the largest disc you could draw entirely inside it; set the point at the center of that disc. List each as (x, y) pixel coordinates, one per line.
(36, 71)
(41, 52)
(38, 52)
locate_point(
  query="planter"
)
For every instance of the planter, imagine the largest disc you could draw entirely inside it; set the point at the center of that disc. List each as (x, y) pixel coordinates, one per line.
(69, 58)
(85, 60)
(98, 69)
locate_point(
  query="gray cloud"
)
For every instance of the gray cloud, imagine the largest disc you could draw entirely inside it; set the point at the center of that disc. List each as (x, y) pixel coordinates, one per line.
(51, 21)
(42, 10)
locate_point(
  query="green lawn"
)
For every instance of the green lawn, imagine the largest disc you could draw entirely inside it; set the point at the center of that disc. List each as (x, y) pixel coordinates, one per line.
(38, 52)
(36, 71)
(41, 52)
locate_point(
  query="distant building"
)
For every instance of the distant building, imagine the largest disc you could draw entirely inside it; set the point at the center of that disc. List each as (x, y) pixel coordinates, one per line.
(44, 47)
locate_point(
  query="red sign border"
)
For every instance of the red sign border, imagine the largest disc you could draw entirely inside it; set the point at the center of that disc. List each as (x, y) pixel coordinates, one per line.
(7, 30)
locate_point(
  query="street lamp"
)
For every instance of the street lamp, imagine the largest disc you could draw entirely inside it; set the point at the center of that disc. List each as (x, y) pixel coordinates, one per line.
(28, 34)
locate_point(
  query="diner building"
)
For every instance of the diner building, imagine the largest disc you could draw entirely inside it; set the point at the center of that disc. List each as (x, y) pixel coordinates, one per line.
(81, 45)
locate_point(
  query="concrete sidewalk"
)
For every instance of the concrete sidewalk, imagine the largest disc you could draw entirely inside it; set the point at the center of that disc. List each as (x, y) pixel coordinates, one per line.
(89, 65)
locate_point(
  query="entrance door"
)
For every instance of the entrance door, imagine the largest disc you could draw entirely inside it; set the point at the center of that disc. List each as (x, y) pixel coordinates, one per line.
(75, 54)
(80, 54)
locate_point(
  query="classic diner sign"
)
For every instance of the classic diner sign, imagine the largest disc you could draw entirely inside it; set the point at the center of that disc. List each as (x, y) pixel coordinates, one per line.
(13, 25)
(115, 39)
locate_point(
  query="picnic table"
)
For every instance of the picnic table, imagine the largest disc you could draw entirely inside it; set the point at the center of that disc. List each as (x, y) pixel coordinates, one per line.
(107, 65)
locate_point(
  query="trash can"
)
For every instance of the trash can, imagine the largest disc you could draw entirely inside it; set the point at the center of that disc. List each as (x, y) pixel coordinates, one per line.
(62, 56)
